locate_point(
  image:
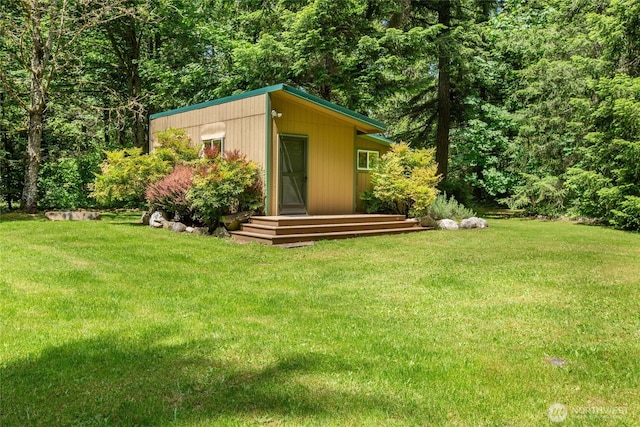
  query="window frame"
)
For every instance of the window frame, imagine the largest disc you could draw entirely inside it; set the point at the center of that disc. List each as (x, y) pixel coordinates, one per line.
(369, 166)
(210, 142)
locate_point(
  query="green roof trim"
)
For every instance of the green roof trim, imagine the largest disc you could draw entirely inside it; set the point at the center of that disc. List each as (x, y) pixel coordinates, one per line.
(377, 138)
(219, 101)
(276, 88)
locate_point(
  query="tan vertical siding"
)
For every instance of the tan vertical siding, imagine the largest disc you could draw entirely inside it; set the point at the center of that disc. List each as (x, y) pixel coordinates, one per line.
(363, 184)
(363, 178)
(244, 121)
(330, 155)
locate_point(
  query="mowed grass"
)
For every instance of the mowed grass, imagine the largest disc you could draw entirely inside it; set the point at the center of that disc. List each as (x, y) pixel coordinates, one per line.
(111, 323)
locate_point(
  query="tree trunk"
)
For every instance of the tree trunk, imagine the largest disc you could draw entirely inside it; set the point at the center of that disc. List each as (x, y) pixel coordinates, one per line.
(444, 91)
(325, 91)
(125, 38)
(139, 122)
(106, 121)
(5, 183)
(400, 16)
(135, 90)
(29, 200)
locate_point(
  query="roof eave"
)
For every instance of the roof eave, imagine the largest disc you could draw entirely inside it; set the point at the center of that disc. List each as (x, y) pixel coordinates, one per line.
(218, 101)
(361, 118)
(378, 139)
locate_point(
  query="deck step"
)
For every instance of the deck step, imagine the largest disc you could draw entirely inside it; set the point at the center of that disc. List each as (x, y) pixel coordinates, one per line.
(274, 230)
(323, 219)
(244, 236)
(295, 230)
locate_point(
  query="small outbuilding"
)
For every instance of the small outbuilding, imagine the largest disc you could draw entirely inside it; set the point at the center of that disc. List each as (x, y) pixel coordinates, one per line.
(317, 156)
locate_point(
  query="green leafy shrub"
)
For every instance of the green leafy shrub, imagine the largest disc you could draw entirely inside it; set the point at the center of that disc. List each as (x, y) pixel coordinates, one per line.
(627, 214)
(585, 193)
(405, 180)
(12, 167)
(170, 193)
(456, 188)
(594, 195)
(605, 180)
(59, 184)
(175, 146)
(481, 152)
(537, 195)
(448, 208)
(227, 185)
(374, 205)
(125, 176)
(63, 183)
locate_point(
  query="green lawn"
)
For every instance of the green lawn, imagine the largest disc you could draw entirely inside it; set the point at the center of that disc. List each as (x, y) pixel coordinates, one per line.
(111, 323)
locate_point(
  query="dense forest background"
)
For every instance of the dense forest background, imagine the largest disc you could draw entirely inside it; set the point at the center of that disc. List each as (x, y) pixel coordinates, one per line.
(530, 104)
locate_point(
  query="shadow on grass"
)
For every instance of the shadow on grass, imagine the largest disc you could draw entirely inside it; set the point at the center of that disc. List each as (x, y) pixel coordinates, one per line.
(129, 218)
(111, 381)
(20, 216)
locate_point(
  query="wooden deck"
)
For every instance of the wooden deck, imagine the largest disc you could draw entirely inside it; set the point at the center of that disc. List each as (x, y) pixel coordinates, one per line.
(288, 230)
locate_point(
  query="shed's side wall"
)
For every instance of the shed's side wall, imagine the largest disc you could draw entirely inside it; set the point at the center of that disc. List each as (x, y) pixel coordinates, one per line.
(243, 122)
(363, 178)
(330, 157)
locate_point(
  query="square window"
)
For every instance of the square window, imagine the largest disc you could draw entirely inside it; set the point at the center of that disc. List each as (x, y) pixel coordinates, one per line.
(367, 159)
(212, 148)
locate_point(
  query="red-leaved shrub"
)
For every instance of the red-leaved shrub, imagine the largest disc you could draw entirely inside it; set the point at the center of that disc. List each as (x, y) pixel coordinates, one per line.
(170, 193)
(211, 153)
(234, 156)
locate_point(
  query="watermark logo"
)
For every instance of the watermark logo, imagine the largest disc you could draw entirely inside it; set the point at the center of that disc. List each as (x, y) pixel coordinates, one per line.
(557, 412)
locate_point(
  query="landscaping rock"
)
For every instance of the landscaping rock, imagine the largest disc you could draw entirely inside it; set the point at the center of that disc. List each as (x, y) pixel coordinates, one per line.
(447, 224)
(221, 232)
(168, 225)
(145, 218)
(188, 230)
(428, 222)
(474, 222)
(586, 220)
(178, 227)
(157, 219)
(232, 222)
(72, 216)
(201, 230)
